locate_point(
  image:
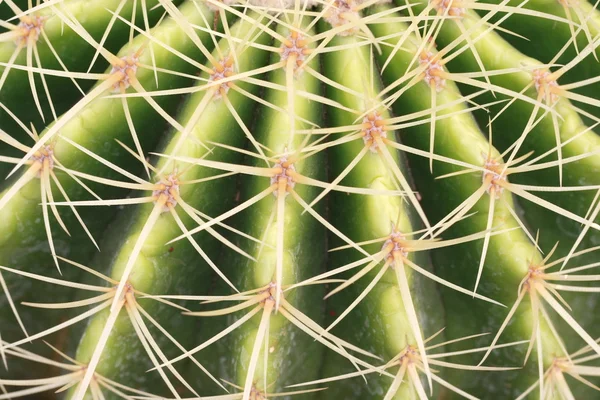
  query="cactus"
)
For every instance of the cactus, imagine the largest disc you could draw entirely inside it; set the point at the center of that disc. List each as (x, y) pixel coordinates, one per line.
(313, 199)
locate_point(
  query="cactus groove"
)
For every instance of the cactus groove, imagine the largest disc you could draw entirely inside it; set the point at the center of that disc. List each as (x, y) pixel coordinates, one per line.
(337, 199)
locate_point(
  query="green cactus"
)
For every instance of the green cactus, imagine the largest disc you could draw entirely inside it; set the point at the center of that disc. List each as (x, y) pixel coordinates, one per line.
(342, 199)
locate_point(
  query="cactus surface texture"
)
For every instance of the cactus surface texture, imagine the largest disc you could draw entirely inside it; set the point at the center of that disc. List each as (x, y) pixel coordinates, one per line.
(299, 199)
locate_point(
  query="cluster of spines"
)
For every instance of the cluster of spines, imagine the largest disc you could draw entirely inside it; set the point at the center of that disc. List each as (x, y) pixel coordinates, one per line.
(369, 125)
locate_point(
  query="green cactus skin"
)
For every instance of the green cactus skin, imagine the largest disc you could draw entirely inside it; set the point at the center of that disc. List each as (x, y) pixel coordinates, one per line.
(153, 270)
(546, 50)
(74, 52)
(580, 140)
(292, 355)
(24, 240)
(314, 138)
(382, 314)
(459, 137)
(496, 53)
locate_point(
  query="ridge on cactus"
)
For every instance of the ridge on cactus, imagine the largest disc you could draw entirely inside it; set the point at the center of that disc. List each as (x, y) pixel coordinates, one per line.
(335, 199)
